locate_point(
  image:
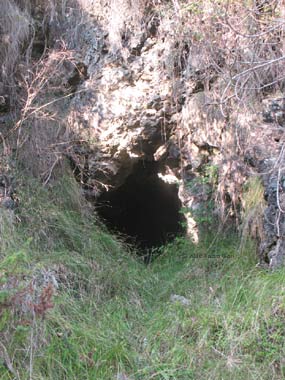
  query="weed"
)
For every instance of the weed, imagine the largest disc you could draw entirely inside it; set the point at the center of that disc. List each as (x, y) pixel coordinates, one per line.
(99, 312)
(253, 210)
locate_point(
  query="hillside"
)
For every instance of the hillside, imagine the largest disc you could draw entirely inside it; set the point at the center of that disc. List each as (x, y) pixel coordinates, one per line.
(142, 189)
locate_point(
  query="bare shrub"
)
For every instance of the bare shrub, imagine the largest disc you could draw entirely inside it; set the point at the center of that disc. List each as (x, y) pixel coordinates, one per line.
(39, 88)
(41, 131)
(237, 42)
(232, 51)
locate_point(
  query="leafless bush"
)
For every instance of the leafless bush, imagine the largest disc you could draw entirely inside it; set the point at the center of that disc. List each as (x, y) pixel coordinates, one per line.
(240, 43)
(39, 87)
(40, 130)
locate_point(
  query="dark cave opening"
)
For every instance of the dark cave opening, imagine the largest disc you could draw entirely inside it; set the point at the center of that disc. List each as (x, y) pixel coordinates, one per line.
(145, 209)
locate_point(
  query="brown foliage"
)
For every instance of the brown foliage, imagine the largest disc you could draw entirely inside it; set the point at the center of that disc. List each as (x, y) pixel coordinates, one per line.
(45, 301)
(28, 302)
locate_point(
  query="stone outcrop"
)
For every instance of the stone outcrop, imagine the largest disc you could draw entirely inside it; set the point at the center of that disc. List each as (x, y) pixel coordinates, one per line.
(138, 104)
(130, 108)
(132, 91)
(272, 246)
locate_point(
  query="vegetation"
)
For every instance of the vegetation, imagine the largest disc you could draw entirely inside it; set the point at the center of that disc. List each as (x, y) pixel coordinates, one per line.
(75, 304)
(75, 301)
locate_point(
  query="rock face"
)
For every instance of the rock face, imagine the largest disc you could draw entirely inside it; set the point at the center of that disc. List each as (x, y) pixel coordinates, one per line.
(264, 157)
(272, 247)
(134, 107)
(142, 98)
(126, 109)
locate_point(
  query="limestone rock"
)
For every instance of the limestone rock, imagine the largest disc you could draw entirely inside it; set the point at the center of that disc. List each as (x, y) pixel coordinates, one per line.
(180, 299)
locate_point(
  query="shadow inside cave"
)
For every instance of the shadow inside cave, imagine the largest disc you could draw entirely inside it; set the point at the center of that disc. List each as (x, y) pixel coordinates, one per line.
(145, 209)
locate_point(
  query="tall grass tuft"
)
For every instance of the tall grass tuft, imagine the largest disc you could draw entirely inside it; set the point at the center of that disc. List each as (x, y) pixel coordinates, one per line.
(253, 211)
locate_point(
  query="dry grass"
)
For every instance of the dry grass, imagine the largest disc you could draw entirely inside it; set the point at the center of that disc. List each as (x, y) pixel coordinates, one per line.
(15, 30)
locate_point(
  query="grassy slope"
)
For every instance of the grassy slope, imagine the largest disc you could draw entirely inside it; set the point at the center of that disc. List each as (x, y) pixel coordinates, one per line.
(112, 317)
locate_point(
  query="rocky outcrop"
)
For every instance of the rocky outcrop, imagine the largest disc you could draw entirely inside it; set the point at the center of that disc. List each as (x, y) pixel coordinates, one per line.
(130, 108)
(134, 106)
(272, 246)
(133, 86)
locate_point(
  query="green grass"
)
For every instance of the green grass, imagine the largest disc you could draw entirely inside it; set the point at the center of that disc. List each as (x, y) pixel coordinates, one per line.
(112, 316)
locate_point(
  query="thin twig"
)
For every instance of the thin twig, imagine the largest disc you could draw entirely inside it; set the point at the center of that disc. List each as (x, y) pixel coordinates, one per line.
(260, 34)
(237, 76)
(51, 170)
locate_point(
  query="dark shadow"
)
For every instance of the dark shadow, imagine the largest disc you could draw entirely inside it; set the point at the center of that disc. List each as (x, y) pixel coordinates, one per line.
(144, 208)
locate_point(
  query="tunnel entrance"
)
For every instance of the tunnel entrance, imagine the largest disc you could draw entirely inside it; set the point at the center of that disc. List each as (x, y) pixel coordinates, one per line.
(145, 209)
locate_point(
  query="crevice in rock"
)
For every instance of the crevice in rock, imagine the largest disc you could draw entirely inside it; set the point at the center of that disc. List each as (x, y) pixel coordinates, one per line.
(145, 209)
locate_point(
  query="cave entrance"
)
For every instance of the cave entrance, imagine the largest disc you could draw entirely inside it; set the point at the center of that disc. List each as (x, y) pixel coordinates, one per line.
(145, 209)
